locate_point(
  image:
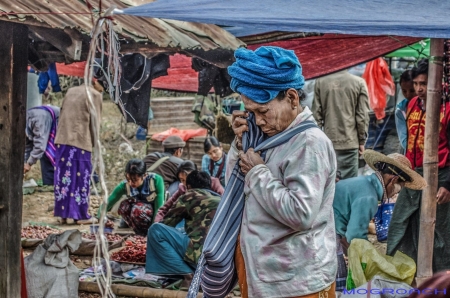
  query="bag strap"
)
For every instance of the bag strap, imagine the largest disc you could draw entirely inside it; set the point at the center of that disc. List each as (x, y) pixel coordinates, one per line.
(285, 136)
(128, 188)
(158, 163)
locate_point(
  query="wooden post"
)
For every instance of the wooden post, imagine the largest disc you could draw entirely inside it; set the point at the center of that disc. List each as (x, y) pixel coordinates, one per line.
(13, 100)
(430, 162)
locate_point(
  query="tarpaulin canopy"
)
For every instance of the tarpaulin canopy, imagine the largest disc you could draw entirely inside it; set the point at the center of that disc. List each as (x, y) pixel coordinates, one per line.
(418, 50)
(322, 55)
(416, 18)
(319, 55)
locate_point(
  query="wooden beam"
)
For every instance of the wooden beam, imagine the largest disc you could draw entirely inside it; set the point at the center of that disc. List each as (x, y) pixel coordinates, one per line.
(133, 291)
(430, 162)
(13, 99)
(68, 41)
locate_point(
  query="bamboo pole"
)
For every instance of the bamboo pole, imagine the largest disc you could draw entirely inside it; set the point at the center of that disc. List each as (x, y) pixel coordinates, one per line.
(430, 162)
(133, 291)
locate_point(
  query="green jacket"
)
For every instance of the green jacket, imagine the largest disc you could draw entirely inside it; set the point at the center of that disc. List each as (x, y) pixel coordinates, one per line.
(341, 109)
(355, 204)
(153, 184)
(197, 207)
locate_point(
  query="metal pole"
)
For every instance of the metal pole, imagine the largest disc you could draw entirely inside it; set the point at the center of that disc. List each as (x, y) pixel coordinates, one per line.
(430, 162)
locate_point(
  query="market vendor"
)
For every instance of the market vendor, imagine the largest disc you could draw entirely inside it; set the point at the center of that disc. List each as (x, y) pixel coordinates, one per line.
(184, 169)
(356, 200)
(170, 252)
(145, 195)
(41, 125)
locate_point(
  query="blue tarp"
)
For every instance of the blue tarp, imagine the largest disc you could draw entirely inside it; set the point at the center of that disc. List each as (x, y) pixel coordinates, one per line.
(417, 18)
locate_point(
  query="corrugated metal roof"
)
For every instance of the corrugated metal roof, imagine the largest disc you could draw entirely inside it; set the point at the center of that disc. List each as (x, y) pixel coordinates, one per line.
(160, 33)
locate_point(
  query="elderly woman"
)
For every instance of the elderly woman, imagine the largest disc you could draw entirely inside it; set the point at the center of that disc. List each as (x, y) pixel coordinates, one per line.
(287, 240)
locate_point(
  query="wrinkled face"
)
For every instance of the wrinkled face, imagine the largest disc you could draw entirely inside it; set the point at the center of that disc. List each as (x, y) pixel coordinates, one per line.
(275, 116)
(182, 176)
(408, 90)
(420, 86)
(135, 181)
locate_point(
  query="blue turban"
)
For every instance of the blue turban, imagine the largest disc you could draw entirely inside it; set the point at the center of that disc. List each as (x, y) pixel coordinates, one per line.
(262, 74)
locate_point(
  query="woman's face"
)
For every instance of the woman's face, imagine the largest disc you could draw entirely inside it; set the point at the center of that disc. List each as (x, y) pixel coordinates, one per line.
(215, 153)
(135, 181)
(276, 115)
(408, 90)
(182, 176)
(394, 186)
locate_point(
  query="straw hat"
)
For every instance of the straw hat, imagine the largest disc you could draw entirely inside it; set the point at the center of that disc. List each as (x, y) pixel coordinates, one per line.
(372, 157)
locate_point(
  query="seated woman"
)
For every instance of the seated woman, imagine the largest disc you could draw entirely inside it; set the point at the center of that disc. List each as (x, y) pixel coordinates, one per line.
(184, 169)
(145, 192)
(170, 252)
(215, 159)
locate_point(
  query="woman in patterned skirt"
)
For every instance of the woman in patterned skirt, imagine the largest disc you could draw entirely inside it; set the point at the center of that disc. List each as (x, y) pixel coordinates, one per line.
(74, 142)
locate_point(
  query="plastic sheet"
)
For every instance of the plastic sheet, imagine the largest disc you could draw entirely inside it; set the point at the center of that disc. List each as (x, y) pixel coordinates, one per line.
(365, 262)
(379, 84)
(185, 134)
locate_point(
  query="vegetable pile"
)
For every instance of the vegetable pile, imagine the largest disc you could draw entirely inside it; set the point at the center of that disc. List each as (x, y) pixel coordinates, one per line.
(38, 232)
(109, 237)
(138, 239)
(134, 251)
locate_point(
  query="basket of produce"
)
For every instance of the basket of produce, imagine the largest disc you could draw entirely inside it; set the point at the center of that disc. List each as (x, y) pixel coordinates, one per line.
(33, 235)
(133, 252)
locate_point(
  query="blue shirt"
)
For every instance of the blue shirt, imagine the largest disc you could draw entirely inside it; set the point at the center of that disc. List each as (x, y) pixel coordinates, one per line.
(205, 168)
(400, 122)
(355, 204)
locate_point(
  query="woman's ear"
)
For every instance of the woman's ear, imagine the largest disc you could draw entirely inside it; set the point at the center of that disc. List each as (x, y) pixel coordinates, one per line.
(292, 96)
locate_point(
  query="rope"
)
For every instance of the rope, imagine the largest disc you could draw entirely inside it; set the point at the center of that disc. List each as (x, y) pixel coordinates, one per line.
(102, 33)
(380, 177)
(38, 13)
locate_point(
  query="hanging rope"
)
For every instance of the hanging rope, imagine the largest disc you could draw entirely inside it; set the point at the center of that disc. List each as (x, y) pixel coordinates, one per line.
(105, 41)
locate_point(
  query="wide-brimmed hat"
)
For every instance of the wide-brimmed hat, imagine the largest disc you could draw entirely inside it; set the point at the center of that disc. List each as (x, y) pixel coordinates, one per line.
(372, 158)
(173, 142)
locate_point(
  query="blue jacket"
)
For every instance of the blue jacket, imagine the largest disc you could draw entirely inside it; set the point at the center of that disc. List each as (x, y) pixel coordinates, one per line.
(400, 122)
(355, 204)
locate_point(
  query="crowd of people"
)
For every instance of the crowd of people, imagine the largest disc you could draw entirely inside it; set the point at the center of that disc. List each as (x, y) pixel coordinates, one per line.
(302, 202)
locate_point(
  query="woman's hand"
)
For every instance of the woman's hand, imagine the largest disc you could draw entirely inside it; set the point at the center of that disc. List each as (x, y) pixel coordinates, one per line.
(239, 125)
(249, 160)
(26, 168)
